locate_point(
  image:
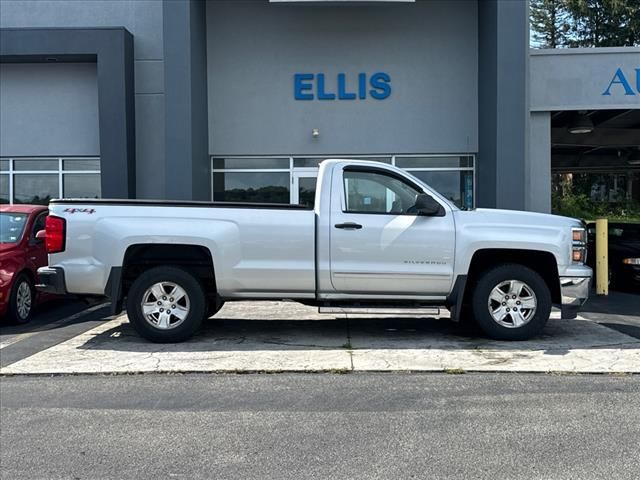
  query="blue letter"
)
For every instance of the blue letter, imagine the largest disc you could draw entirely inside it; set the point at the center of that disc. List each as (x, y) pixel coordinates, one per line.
(342, 87)
(322, 95)
(638, 79)
(619, 78)
(362, 86)
(380, 86)
(300, 86)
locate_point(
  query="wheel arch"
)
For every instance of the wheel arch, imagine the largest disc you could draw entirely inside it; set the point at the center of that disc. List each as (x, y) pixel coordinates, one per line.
(542, 262)
(140, 257)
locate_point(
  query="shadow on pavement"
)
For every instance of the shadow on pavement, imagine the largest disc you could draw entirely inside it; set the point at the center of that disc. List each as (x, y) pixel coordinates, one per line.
(616, 303)
(228, 335)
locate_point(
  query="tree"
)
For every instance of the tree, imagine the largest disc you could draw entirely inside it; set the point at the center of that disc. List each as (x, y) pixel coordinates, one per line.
(604, 23)
(585, 23)
(549, 23)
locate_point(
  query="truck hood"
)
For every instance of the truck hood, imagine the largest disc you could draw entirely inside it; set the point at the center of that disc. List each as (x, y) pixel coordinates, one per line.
(490, 216)
(486, 228)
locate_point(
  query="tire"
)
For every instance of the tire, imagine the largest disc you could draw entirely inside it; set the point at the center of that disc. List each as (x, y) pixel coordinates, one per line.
(21, 300)
(511, 320)
(155, 288)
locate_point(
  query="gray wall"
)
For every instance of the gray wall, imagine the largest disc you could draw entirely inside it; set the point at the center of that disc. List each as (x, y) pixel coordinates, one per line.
(48, 109)
(143, 18)
(575, 79)
(538, 166)
(429, 49)
(503, 103)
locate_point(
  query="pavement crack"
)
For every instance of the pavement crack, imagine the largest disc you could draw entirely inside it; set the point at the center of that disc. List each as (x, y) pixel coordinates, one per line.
(349, 350)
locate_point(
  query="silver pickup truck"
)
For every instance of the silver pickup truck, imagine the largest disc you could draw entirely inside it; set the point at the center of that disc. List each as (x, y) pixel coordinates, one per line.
(377, 237)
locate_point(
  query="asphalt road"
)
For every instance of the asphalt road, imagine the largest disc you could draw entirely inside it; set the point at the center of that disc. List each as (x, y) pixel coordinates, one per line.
(53, 322)
(323, 426)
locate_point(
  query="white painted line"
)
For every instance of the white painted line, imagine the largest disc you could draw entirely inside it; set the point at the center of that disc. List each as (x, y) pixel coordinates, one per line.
(22, 336)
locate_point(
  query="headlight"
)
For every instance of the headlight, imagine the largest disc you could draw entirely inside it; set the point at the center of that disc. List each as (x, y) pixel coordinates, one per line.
(631, 261)
(578, 245)
(579, 235)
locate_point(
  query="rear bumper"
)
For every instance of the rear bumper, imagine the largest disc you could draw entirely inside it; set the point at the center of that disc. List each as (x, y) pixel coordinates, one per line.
(574, 292)
(51, 280)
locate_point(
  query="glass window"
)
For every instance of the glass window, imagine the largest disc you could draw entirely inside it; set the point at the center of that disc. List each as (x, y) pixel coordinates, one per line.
(434, 162)
(81, 164)
(307, 191)
(38, 225)
(369, 192)
(4, 189)
(250, 163)
(315, 162)
(37, 189)
(4, 165)
(39, 164)
(261, 187)
(81, 185)
(12, 226)
(457, 186)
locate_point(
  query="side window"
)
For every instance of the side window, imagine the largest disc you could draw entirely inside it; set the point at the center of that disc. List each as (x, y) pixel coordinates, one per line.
(38, 225)
(373, 192)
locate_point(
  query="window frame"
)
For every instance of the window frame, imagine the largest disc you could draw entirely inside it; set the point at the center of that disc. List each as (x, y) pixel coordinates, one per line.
(389, 159)
(379, 171)
(59, 171)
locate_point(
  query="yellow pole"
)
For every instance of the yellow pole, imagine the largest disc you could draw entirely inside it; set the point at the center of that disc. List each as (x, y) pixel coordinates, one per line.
(602, 256)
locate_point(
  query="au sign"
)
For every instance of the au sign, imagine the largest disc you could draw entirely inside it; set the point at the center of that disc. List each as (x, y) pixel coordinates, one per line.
(620, 79)
(309, 86)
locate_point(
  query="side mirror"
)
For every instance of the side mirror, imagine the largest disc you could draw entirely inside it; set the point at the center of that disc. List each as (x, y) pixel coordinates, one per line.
(41, 236)
(426, 205)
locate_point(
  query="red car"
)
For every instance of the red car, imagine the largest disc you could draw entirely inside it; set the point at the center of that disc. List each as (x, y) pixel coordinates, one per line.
(21, 254)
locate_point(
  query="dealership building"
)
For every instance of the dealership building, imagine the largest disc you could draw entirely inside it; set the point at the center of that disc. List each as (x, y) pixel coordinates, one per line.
(240, 100)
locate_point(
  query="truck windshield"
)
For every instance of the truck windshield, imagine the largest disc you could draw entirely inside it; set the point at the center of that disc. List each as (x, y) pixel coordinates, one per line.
(11, 226)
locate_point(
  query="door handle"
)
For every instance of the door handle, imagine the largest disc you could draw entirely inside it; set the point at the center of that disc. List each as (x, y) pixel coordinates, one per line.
(348, 226)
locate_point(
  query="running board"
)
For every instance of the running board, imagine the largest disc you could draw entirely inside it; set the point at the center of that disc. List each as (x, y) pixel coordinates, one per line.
(369, 310)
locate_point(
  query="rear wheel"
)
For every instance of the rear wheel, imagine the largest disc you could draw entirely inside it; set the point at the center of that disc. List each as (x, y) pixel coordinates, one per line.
(166, 304)
(21, 300)
(511, 302)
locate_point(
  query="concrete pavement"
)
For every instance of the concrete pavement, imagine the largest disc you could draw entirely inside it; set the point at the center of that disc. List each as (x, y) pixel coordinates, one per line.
(285, 336)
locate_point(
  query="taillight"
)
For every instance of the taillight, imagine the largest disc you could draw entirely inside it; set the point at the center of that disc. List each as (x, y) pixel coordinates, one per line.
(55, 238)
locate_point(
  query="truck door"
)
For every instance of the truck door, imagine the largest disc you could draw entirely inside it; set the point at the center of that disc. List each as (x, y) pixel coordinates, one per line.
(380, 246)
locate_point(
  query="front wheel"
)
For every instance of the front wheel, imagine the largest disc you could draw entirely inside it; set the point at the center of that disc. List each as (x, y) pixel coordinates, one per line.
(166, 305)
(511, 302)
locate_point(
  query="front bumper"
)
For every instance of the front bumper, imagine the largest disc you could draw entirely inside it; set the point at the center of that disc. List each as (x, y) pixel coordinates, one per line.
(51, 280)
(574, 292)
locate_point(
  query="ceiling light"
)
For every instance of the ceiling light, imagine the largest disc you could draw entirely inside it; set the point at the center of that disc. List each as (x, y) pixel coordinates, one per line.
(581, 124)
(634, 157)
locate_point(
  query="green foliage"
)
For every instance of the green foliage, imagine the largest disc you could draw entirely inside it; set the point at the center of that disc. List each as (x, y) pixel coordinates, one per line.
(549, 22)
(585, 23)
(578, 205)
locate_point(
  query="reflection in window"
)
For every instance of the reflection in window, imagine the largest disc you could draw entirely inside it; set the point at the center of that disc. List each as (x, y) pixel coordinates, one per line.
(81, 185)
(11, 226)
(82, 164)
(435, 162)
(36, 189)
(4, 188)
(307, 191)
(260, 187)
(368, 192)
(38, 180)
(456, 186)
(39, 164)
(250, 163)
